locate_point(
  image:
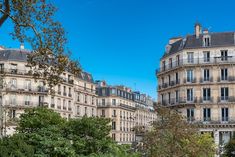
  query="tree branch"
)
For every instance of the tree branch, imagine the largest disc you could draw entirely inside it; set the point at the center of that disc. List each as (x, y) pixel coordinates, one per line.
(6, 12)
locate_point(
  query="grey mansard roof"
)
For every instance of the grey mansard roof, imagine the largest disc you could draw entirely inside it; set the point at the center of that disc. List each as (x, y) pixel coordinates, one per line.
(21, 56)
(14, 55)
(191, 42)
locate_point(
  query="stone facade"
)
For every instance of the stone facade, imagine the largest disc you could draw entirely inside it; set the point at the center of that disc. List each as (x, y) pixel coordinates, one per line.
(197, 77)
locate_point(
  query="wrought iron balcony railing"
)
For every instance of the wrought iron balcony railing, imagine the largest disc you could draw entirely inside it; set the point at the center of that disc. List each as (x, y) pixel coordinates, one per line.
(196, 61)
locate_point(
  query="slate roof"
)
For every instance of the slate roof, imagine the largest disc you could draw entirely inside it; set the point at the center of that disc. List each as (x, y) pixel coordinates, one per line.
(14, 55)
(21, 56)
(191, 42)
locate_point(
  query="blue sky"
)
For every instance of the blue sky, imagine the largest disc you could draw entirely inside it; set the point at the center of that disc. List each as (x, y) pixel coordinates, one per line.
(121, 41)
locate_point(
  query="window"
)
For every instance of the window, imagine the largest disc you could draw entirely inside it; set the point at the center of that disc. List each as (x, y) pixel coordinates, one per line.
(224, 55)
(190, 114)
(114, 113)
(206, 114)
(113, 125)
(13, 83)
(102, 113)
(1, 68)
(224, 114)
(164, 65)
(114, 137)
(169, 79)
(178, 60)
(206, 94)
(176, 96)
(103, 102)
(58, 103)
(85, 99)
(27, 100)
(113, 91)
(190, 75)
(190, 94)
(190, 57)
(65, 91)
(206, 41)
(224, 74)
(206, 56)
(28, 84)
(92, 112)
(224, 93)
(78, 110)
(103, 92)
(114, 102)
(69, 106)
(177, 78)
(169, 97)
(85, 109)
(170, 62)
(206, 75)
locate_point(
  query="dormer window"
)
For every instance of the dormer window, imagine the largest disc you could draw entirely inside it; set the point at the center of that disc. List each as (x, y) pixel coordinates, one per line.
(206, 41)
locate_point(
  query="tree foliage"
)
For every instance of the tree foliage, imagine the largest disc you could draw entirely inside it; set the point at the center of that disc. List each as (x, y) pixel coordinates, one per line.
(43, 133)
(229, 149)
(172, 136)
(34, 23)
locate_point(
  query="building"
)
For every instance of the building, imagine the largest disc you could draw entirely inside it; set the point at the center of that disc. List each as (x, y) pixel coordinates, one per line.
(197, 77)
(74, 97)
(126, 109)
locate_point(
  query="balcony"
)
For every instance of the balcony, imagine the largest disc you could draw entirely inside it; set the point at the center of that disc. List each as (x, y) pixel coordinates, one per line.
(226, 99)
(15, 71)
(206, 79)
(190, 80)
(207, 99)
(196, 61)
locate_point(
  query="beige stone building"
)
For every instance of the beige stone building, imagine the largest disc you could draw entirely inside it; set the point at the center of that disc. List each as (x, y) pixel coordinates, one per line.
(127, 110)
(74, 97)
(197, 77)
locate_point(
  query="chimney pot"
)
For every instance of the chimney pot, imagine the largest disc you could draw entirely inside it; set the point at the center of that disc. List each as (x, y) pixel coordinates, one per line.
(198, 30)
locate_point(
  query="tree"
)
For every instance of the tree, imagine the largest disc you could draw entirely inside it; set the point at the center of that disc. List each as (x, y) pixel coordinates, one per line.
(229, 149)
(172, 136)
(34, 23)
(43, 132)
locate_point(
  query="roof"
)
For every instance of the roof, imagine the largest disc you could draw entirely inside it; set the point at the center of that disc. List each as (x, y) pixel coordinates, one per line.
(86, 76)
(14, 55)
(220, 39)
(20, 55)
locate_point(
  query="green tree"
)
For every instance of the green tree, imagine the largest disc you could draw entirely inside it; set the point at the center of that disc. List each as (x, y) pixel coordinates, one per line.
(229, 149)
(15, 146)
(43, 133)
(34, 23)
(89, 135)
(172, 136)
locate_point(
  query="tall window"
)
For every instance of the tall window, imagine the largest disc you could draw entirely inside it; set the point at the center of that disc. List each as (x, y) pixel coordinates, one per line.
(206, 114)
(189, 75)
(169, 79)
(224, 55)
(224, 114)
(114, 102)
(28, 84)
(103, 102)
(102, 113)
(177, 78)
(169, 97)
(206, 41)
(206, 94)
(206, 56)
(190, 57)
(224, 93)
(85, 111)
(114, 113)
(190, 114)
(164, 65)
(190, 94)
(224, 74)
(170, 62)
(178, 60)
(206, 75)
(78, 110)
(176, 96)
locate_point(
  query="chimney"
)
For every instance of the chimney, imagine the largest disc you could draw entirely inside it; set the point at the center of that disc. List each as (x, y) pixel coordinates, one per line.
(205, 31)
(173, 40)
(198, 30)
(21, 46)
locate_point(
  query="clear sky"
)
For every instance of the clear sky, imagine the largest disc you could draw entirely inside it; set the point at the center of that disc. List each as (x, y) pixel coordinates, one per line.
(121, 41)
